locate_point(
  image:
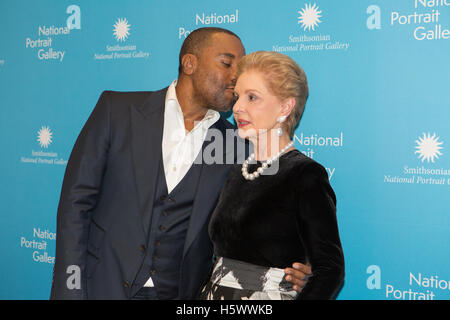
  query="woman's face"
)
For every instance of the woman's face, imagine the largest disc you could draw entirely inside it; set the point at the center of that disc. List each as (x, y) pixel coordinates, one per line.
(256, 109)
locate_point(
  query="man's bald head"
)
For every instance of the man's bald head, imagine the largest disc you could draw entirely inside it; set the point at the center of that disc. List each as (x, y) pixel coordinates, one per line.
(197, 40)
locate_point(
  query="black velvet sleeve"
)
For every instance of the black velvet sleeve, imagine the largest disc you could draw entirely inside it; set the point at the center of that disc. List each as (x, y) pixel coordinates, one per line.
(318, 229)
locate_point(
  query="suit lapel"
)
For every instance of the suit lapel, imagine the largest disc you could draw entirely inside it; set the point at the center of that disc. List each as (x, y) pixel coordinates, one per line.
(210, 183)
(147, 121)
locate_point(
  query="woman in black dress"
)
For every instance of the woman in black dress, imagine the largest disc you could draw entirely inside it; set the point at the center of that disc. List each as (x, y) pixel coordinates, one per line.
(278, 206)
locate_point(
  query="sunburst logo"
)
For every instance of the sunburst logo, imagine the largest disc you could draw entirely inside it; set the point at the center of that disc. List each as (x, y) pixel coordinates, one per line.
(121, 29)
(45, 137)
(428, 147)
(309, 16)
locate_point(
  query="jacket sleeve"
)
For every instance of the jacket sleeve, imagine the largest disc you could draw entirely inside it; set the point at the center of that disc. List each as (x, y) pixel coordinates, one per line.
(318, 228)
(81, 186)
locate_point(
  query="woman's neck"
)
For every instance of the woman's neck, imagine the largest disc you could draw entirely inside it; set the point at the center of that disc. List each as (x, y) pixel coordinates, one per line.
(266, 146)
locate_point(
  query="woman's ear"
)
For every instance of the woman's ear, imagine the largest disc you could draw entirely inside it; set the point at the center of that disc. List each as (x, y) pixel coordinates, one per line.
(189, 63)
(288, 106)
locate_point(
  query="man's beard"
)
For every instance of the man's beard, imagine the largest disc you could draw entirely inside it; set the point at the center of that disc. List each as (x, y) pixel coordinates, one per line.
(216, 100)
(212, 93)
(222, 104)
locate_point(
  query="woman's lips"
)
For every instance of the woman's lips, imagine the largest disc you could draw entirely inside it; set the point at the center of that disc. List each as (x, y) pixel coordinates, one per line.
(242, 123)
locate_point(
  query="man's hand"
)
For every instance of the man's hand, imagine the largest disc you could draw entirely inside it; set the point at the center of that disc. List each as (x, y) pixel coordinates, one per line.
(298, 275)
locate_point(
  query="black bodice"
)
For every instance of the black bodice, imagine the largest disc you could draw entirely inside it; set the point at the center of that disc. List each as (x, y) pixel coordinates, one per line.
(279, 219)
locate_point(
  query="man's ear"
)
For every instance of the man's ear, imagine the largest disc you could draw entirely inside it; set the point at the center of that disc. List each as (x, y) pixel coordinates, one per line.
(189, 63)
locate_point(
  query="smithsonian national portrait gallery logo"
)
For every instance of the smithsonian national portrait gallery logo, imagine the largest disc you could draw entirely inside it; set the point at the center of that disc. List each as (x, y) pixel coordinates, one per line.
(43, 139)
(429, 168)
(122, 49)
(306, 37)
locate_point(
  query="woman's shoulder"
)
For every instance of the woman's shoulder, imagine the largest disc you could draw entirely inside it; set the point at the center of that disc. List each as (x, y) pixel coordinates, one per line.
(309, 175)
(301, 164)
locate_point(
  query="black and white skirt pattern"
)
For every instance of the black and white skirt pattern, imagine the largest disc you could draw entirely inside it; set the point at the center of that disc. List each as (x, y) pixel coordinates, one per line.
(238, 280)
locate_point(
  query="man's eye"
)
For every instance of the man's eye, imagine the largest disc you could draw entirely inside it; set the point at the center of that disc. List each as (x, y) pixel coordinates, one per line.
(226, 64)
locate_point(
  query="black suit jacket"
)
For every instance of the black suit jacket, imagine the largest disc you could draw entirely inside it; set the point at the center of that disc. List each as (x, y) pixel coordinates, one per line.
(107, 200)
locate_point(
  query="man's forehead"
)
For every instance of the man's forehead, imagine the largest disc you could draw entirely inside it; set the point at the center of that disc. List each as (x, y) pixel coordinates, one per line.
(225, 45)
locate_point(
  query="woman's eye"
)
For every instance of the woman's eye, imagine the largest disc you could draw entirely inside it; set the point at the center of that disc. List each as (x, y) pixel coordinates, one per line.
(251, 97)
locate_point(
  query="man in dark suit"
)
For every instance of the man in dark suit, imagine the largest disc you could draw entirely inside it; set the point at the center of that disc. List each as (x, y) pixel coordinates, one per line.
(134, 208)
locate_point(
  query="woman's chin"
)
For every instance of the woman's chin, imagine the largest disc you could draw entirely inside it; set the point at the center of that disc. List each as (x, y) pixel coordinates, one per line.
(248, 134)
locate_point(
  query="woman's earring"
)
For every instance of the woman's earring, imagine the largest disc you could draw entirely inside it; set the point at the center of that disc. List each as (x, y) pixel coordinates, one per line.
(279, 132)
(280, 120)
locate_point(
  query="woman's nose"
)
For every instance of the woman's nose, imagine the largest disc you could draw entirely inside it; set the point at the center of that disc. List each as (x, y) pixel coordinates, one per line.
(237, 107)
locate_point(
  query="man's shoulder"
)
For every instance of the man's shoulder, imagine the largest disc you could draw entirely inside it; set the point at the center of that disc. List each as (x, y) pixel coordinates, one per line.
(131, 97)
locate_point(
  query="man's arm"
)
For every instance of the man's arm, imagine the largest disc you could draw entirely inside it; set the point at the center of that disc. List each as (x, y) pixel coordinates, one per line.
(81, 186)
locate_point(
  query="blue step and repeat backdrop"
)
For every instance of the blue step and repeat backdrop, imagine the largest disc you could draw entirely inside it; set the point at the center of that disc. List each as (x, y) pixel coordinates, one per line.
(378, 118)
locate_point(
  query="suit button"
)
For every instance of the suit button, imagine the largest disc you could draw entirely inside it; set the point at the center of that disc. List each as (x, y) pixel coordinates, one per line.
(164, 213)
(126, 284)
(153, 272)
(163, 198)
(171, 199)
(161, 228)
(142, 247)
(157, 243)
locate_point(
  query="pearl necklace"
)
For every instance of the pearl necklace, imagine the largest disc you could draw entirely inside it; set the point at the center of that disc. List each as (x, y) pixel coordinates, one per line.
(265, 165)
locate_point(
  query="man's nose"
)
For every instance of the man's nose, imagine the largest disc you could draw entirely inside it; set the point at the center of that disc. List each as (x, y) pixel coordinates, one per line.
(234, 75)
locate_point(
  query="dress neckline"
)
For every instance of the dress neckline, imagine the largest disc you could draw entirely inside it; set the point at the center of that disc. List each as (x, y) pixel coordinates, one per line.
(282, 156)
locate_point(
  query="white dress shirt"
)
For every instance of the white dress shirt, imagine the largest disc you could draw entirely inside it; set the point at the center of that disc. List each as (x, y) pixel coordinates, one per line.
(179, 146)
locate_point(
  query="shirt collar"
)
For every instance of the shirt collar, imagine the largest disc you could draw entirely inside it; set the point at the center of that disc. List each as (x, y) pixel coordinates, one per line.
(171, 93)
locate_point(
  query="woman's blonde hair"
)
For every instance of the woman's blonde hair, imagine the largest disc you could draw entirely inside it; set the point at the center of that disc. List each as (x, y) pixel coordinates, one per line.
(284, 77)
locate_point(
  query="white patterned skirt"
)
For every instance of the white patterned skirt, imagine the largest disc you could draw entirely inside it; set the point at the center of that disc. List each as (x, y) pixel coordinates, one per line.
(238, 280)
